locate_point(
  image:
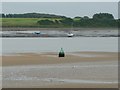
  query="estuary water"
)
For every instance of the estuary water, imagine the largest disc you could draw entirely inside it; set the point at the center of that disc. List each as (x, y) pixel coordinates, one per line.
(73, 44)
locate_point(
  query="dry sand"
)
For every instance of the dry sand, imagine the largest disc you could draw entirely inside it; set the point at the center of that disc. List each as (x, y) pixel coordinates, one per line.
(46, 70)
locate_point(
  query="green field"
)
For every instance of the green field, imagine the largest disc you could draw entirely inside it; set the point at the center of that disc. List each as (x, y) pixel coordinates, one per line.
(23, 22)
(33, 22)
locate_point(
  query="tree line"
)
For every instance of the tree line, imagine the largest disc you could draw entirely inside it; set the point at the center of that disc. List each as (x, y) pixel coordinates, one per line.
(98, 20)
(31, 15)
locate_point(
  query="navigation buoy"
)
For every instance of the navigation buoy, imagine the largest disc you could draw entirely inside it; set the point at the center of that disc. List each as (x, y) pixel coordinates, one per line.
(61, 53)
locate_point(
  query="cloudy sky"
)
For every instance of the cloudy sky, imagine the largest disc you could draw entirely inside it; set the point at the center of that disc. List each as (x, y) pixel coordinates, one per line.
(70, 9)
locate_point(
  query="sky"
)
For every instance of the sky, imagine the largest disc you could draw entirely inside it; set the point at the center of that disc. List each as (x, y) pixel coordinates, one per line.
(69, 9)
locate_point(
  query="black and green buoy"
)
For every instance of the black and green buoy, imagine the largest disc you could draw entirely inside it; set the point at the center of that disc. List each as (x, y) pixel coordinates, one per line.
(61, 53)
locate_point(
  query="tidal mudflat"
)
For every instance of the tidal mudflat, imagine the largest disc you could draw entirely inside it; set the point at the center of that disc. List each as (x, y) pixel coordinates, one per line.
(80, 70)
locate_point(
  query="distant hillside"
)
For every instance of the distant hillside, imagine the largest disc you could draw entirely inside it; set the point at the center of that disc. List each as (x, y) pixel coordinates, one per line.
(57, 21)
(31, 15)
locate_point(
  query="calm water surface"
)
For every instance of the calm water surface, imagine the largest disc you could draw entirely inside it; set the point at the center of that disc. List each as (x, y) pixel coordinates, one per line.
(38, 45)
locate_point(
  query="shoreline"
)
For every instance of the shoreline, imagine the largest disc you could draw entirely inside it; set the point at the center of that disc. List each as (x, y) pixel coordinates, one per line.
(46, 70)
(59, 32)
(52, 58)
(63, 29)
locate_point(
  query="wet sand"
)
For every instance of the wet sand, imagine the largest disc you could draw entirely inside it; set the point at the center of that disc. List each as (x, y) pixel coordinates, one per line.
(59, 32)
(47, 70)
(64, 29)
(52, 58)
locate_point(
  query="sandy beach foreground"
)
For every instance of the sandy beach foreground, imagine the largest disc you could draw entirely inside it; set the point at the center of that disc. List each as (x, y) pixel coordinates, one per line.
(47, 70)
(52, 58)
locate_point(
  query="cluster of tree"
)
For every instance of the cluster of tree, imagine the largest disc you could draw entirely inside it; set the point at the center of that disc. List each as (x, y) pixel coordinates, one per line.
(98, 20)
(64, 21)
(46, 22)
(31, 15)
